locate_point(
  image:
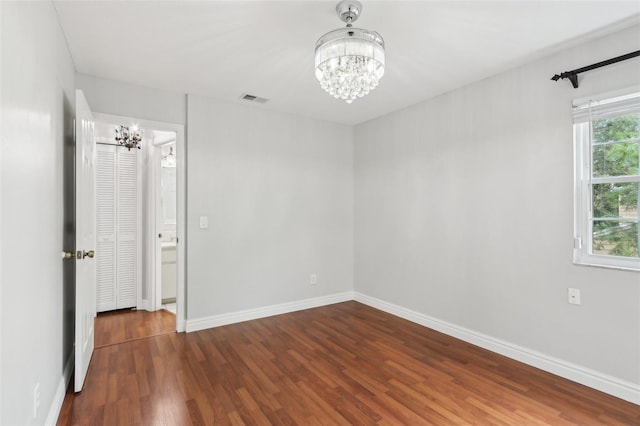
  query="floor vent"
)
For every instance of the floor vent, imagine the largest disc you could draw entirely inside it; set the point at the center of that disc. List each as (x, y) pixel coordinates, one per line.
(252, 98)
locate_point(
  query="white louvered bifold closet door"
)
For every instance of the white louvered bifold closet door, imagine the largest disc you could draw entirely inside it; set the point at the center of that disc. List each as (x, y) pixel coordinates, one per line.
(126, 232)
(106, 223)
(117, 223)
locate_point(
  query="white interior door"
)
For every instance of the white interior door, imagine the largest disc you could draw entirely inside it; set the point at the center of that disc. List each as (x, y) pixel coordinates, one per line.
(85, 239)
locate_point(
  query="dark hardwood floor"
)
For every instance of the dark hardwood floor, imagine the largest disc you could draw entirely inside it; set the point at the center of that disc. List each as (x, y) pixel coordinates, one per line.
(125, 325)
(340, 364)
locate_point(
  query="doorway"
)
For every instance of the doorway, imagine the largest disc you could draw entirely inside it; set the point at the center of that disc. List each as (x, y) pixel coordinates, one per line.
(164, 163)
(160, 182)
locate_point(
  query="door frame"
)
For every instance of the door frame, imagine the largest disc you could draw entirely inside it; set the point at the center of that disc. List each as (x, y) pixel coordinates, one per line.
(181, 194)
(155, 174)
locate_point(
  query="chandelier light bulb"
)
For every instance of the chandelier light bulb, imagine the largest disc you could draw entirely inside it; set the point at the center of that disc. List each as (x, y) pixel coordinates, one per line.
(349, 62)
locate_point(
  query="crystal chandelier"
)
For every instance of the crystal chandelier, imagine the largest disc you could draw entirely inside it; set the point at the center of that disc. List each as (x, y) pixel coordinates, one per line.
(129, 138)
(349, 61)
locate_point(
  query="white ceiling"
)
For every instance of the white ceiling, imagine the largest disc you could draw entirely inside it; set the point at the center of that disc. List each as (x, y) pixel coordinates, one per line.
(222, 49)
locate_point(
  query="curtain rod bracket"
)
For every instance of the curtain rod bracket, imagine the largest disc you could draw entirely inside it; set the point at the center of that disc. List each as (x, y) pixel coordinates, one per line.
(573, 75)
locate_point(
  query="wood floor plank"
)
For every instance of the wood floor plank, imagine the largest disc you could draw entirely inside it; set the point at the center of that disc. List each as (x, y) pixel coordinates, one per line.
(340, 364)
(125, 325)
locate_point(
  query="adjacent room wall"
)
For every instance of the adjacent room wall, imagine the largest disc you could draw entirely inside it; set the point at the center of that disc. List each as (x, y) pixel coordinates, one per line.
(277, 190)
(464, 213)
(38, 104)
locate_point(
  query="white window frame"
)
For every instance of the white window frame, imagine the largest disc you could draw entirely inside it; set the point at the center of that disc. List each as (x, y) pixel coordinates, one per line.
(584, 111)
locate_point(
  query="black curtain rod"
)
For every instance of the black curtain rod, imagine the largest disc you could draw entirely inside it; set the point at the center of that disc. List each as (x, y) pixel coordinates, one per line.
(573, 75)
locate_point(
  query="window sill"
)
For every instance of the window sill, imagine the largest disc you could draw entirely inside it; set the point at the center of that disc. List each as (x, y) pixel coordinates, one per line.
(609, 262)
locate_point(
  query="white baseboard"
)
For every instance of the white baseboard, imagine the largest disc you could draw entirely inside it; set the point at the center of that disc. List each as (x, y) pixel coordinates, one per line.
(612, 385)
(267, 311)
(144, 305)
(58, 397)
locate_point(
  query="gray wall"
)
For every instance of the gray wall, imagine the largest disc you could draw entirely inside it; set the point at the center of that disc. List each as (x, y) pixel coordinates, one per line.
(278, 193)
(114, 97)
(464, 212)
(278, 190)
(38, 103)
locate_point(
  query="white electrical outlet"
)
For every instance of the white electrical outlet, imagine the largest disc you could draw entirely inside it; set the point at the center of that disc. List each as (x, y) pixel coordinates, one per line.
(204, 222)
(313, 279)
(36, 400)
(574, 296)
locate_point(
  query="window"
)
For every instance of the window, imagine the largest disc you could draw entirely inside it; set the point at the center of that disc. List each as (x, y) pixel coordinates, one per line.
(607, 181)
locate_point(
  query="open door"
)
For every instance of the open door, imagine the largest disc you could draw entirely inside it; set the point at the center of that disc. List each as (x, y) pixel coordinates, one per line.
(85, 239)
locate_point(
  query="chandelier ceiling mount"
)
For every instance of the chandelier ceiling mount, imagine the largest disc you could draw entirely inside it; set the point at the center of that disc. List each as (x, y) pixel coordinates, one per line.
(348, 11)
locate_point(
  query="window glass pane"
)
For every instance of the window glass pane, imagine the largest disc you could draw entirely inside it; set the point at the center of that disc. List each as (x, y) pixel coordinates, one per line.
(617, 128)
(615, 238)
(615, 200)
(618, 159)
(611, 158)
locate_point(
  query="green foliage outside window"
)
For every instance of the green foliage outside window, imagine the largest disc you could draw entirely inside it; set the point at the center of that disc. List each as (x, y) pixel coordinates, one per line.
(615, 205)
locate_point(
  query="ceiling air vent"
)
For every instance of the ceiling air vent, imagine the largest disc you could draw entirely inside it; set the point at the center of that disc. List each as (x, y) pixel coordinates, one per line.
(252, 98)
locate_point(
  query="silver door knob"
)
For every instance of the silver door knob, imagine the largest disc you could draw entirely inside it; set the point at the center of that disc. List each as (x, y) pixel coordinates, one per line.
(66, 255)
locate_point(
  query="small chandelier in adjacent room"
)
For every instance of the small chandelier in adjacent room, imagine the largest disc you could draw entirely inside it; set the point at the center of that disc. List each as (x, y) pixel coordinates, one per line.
(349, 61)
(129, 138)
(168, 160)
